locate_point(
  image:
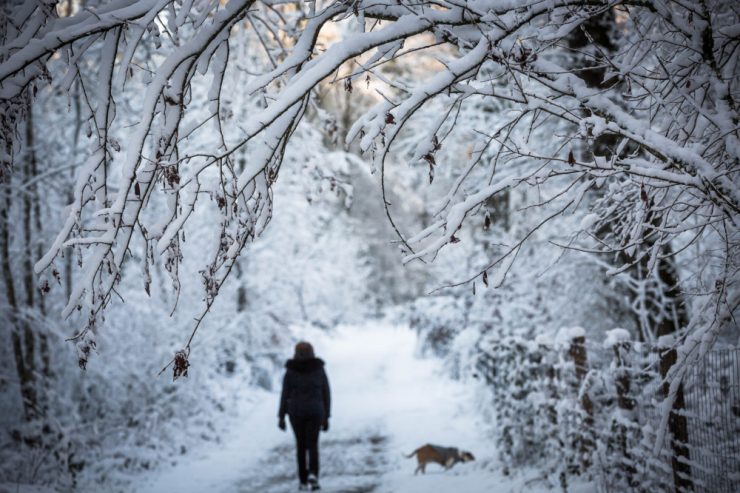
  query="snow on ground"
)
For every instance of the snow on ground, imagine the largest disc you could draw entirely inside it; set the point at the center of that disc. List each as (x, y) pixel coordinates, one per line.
(386, 403)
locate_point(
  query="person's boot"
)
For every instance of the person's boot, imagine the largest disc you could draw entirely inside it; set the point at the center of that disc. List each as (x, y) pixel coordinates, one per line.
(313, 481)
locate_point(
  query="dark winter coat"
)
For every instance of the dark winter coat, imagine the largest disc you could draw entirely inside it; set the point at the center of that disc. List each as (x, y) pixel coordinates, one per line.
(305, 389)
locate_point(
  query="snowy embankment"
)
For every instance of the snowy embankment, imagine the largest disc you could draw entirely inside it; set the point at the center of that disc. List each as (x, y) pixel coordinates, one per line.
(386, 403)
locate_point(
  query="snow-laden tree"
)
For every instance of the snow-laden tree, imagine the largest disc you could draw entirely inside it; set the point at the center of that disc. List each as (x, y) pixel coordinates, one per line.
(655, 137)
(284, 281)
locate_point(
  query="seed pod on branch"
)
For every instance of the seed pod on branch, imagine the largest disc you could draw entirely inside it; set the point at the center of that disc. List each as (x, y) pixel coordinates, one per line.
(180, 365)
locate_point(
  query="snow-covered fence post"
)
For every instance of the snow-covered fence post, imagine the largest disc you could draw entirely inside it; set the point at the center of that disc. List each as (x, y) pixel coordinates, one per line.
(513, 369)
(550, 423)
(619, 341)
(577, 352)
(678, 432)
(550, 376)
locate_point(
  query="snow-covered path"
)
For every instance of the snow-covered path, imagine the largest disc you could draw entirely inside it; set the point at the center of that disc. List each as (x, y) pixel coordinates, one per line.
(386, 403)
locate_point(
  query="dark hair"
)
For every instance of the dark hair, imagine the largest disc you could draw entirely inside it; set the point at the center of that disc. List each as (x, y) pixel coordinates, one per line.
(303, 350)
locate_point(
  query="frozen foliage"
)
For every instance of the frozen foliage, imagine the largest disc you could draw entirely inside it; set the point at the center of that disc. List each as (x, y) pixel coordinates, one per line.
(593, 414)
(650, 124)
(561, 163)
(616, 336)
(106, 425)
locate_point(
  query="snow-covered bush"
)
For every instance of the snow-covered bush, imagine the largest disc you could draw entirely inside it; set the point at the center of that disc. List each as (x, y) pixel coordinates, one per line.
(600, 421)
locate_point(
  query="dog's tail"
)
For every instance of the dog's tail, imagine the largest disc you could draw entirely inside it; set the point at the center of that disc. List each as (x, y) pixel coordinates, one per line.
(411, 454)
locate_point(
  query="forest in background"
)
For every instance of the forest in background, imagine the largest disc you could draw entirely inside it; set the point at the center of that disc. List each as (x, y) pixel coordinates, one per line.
(183, 182)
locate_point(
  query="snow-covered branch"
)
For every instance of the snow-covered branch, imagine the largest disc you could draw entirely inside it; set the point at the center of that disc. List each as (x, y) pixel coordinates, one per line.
(648, 116)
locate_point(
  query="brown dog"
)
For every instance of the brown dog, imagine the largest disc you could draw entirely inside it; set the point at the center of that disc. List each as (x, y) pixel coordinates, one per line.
(444, 456)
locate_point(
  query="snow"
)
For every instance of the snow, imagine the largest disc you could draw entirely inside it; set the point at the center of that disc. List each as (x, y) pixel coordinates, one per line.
(588, 221)
(616, 336)
(567, 334)
(210, 468)
(379, 389)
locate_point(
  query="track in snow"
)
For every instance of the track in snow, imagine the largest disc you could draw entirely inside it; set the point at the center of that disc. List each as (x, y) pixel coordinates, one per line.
(349, 465)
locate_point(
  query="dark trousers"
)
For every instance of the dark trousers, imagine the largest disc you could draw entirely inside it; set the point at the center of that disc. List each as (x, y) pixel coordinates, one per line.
(306, 431)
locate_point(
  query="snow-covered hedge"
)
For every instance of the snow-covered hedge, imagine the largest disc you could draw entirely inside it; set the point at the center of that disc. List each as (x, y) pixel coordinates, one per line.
(573, 407)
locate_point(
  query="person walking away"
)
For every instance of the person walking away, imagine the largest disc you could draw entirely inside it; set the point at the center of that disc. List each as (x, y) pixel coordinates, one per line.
(305, 398)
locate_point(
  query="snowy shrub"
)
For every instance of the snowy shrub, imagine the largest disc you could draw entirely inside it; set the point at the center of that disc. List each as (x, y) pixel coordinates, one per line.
(598, 422)
(515, 369)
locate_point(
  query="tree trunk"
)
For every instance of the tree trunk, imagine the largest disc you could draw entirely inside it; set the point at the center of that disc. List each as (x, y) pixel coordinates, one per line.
(35, 246)
(17, 333)
(626, 405)
(29, 276)
(241, 290)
